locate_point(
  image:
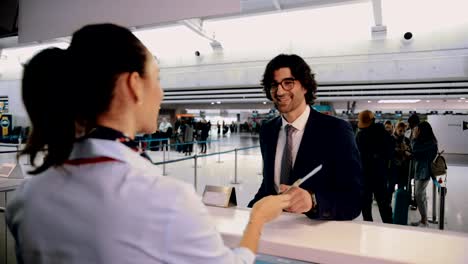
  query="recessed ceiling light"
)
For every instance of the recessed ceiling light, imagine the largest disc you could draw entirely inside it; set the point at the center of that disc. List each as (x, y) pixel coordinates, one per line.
(404, 101)
(218, 102)
(369, 101)
(212, 102)
(462, 98)
(428, 101)
(264, 102)
(459, 101)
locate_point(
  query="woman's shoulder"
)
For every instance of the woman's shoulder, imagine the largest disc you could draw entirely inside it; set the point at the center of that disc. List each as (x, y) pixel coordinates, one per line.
(152, 177)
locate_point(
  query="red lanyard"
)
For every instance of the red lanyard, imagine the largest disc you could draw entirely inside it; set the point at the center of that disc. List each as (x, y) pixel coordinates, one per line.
(93, 160)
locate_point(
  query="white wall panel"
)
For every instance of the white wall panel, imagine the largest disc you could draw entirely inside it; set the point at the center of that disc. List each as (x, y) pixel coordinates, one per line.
(448, 130)
(391, 68)
(48, 19)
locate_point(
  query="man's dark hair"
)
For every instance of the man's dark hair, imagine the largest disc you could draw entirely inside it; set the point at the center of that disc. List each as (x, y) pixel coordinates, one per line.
(413, 120)
(299, 70)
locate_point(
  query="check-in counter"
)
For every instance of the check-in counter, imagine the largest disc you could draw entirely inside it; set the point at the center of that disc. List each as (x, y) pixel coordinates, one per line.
(352, 242)
(7, 245)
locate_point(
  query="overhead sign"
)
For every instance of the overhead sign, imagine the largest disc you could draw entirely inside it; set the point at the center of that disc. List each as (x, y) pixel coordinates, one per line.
(49, 19)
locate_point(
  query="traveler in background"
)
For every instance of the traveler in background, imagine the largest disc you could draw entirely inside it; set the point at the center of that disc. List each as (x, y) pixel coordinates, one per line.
(376, 148)
(166, 132)
(401, 160)
(188, 137)
(423, 151)
(204, 130)
(254, 127)
(94, 199)
(389, 127)
(301, 139)
(413, 121)
(225, 129)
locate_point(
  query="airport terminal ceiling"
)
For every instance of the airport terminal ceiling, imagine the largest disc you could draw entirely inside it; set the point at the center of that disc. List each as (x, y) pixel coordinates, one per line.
(358, 50)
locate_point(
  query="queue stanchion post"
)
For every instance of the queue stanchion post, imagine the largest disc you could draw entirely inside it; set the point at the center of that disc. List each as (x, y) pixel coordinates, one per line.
(164, 165)
(169, 149)
(164, 151)
(219, 152)
(17, 149)
(443, 193)
(195, 161)
(434, 204)
(5, 231)
(235, 168)
(28, 161)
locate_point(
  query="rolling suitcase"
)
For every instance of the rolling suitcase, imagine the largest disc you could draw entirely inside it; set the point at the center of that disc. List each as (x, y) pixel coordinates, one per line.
(400, 209)
(402, 201)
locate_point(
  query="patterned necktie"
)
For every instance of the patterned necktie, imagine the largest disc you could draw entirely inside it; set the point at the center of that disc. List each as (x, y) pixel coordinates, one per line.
(286, 161)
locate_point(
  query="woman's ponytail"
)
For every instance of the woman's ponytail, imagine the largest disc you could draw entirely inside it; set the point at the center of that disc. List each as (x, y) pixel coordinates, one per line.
(49, 101)
(62, 88)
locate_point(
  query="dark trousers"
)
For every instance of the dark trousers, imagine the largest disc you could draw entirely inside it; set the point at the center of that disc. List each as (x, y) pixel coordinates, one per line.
(164, 142)
(402, 175)
(398, 176)
(203, 147)
(203, 144)
(188, 148)
(377, 188)
(411, 171)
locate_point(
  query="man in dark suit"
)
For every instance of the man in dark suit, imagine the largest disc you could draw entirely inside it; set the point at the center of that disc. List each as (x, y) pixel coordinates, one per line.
(299, 140)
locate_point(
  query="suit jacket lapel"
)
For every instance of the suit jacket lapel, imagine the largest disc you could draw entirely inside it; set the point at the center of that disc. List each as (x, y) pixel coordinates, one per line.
(306, 152)
(271, 145)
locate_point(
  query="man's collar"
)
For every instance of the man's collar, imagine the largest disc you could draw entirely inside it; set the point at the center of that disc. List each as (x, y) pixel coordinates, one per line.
(300, 122)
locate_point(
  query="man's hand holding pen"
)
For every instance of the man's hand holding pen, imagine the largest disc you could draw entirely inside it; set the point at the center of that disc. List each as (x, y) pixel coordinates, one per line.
(300, 201)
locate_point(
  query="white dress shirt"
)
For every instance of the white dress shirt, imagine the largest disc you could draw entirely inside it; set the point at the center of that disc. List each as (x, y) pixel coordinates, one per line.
(299, 124)
(118, 211)
(164, 126)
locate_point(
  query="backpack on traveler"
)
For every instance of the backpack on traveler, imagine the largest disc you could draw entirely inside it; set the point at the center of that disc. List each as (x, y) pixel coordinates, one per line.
(439, 166)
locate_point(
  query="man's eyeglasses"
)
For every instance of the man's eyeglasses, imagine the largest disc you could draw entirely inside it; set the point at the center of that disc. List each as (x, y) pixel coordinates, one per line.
(286, 83)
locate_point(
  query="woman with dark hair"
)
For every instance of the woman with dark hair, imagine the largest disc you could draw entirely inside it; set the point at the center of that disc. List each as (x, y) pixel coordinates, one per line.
(94, 198)
(401, 160)
(424, 150)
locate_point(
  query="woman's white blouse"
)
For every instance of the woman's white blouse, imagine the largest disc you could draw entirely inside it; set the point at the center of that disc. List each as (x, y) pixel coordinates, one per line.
(120, 211)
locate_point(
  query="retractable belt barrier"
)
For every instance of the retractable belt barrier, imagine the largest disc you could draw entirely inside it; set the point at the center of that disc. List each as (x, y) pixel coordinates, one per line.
(196, 157)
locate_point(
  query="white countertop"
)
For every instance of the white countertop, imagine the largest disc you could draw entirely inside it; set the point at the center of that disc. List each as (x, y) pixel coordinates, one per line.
(9, 184)
(297, 237)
